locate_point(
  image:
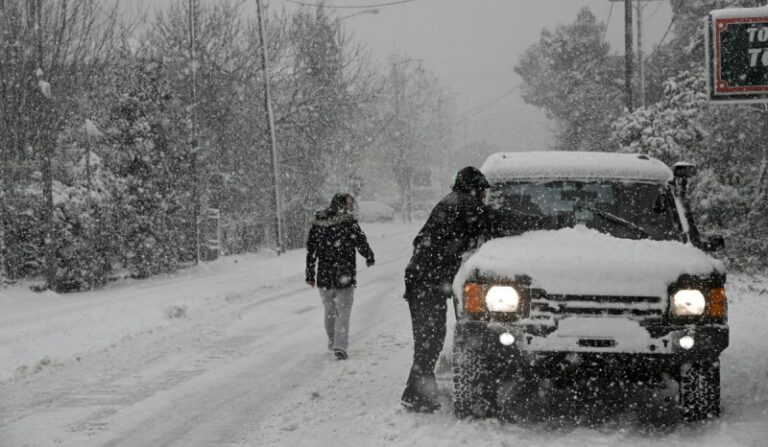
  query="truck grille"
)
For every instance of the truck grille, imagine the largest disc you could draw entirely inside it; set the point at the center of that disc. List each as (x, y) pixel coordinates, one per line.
(647, 310)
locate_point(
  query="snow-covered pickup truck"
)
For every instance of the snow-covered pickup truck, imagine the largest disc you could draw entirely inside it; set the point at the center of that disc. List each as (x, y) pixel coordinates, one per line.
(598, 274)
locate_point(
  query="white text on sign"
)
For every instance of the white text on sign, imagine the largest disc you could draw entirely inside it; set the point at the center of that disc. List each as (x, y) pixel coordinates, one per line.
(758, 54)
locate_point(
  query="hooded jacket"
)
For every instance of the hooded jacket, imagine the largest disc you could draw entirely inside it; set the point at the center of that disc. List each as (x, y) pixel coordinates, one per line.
(453, 227)
(333, 238)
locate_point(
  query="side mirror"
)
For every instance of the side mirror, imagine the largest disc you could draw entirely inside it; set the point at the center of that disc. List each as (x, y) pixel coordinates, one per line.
(684, 169)
(660, 205)
(712, 243)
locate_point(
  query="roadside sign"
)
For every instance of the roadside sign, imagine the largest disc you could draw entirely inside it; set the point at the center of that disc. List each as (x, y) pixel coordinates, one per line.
(211, 229)
(737, 55)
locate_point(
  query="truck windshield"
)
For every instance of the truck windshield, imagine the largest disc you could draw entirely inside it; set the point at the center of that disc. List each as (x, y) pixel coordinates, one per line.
(622, 209)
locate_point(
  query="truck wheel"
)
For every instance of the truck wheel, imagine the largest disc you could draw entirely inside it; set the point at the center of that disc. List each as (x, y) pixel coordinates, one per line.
(475, 385)
(700, 390)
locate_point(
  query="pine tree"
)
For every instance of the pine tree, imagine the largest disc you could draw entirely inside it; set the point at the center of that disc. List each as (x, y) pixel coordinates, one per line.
(152, 164)
(572, 76)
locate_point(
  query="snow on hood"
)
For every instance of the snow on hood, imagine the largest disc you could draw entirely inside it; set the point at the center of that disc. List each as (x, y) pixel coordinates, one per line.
(582, 261)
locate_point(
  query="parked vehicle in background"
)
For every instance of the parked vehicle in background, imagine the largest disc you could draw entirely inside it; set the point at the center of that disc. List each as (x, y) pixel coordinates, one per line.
(610, 285)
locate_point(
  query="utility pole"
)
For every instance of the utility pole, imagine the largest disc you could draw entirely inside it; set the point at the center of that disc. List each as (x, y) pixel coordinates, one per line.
(5, 175)
(88, 163)
(628, 56)
(398, 86)
(193, 11)
(640, 59)
(629, 69)
(405, 139)
(271, 125)
(35, 12)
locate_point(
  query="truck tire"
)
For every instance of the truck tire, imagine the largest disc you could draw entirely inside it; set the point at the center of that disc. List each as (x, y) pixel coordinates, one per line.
(475, 386)
(700, 390)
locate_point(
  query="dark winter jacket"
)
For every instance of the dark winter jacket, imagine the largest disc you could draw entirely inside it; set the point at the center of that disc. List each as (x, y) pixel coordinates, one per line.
(453, 227)
(333, 239)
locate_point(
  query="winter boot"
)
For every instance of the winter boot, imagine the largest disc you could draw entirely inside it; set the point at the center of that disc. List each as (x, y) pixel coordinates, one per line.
(420, 405)
(340, 354)
(420, 394)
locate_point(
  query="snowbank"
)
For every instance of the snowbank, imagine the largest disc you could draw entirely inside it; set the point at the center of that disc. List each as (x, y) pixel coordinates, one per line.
(39, 328)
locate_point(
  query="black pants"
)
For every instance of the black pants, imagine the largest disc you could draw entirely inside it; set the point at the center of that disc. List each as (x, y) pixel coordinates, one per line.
(428, 307)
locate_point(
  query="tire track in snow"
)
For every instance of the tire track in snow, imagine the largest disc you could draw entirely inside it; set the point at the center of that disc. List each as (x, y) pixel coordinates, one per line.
(291, 368)
(168, 397)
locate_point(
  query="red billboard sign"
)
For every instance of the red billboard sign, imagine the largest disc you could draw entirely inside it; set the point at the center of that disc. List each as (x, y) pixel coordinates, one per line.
(737, 55)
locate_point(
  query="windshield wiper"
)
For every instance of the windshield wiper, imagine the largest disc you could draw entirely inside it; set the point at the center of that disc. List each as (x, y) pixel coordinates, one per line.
(616, 219)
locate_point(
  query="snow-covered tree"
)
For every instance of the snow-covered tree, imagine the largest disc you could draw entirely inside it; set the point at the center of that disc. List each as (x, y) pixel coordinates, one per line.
(85, 223)
(415, 138)
(728, 145)
(571, 74)
(51, 54)
(324, 87)
(22, 217)
(221, 88)
(671, 129)
(180, 130)
(148, 154)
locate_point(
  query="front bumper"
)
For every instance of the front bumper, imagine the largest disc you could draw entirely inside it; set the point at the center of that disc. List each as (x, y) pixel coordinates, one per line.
(601, 336)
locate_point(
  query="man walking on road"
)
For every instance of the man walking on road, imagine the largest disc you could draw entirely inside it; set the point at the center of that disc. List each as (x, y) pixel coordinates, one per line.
(453, 227)
(333, 239)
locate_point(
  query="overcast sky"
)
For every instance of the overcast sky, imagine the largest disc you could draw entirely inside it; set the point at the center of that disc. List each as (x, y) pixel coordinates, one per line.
(473, 45)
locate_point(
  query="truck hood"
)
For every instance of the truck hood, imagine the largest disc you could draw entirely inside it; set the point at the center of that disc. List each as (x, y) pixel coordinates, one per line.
(581, 261)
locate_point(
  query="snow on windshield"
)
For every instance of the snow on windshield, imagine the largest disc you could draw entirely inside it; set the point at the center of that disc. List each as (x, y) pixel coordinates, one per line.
(622, 209)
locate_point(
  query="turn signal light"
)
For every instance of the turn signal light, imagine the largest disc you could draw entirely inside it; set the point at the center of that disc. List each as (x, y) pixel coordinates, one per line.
(474, 298)
(717, 303)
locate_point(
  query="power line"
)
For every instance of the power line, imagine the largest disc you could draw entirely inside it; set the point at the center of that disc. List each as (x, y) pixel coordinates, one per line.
(483, 107)
(655, 11)
(378, 5)
(663, 38)
(608, 21)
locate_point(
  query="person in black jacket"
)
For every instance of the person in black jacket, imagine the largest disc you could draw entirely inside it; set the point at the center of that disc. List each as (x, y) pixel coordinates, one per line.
(333, 239)
(453, 227)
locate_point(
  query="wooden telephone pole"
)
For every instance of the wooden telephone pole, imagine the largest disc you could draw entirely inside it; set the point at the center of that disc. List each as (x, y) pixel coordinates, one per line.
(193, 16)
(35, 22)
(629, 68)
(271, 125)
(629, 62)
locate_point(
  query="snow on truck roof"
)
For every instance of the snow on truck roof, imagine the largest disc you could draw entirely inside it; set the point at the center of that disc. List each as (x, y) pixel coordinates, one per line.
(574, 165)
(737, 13)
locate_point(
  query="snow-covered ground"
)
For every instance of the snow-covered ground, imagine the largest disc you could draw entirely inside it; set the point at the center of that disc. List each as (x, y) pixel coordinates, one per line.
(233, 353)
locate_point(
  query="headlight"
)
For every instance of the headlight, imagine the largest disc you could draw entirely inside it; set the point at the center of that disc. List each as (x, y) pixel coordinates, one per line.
(502, 299)
(688, 303)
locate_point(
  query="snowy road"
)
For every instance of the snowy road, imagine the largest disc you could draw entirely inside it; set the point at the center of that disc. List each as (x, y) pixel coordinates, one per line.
(233, 353)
